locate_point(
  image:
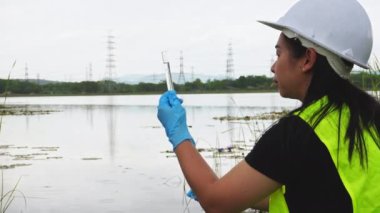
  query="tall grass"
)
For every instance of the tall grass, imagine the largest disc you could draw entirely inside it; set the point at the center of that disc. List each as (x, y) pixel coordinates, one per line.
(8, 197)
(375, 82)
(6, 91)
(244, 131)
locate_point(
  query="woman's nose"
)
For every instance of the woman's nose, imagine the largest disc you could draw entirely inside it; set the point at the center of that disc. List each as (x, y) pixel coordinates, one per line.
(272, 67)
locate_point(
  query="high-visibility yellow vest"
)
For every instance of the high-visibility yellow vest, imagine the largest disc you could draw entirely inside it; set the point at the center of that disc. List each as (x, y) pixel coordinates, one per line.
(362, 184)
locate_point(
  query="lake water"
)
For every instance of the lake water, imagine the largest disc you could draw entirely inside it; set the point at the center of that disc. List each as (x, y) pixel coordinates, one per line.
(107, 153)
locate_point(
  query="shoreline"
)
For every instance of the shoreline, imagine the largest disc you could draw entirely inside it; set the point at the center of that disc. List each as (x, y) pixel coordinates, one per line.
(138, 93)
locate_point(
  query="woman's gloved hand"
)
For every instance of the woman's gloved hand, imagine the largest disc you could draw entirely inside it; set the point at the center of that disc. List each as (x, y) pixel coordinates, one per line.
(192, 195)
(172, 116)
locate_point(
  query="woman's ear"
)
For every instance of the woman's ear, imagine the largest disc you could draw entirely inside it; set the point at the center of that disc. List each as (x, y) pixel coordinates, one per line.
(310, 59)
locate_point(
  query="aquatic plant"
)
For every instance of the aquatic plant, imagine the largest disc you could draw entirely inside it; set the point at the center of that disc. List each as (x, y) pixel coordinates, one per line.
(6, 91)
(375, 71)
(238, 147)
(8, 197)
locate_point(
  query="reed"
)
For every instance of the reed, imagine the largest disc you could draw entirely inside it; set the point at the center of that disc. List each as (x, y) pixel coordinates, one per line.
(375, 82)
(246, 129)
(6, 91)
(8, 197)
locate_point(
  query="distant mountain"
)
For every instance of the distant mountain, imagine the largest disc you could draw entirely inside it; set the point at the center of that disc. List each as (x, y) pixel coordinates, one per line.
(138, 78)
(38, 81)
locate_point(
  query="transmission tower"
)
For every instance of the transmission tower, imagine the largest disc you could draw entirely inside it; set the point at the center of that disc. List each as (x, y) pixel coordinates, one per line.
(110, 61)
(181, 76)
(26, 72)
(38, 78)
(230, 63)
(89, 72)
(192, 74)
(154, 77)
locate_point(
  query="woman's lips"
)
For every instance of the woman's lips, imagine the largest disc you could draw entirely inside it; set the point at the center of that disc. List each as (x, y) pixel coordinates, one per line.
(274, 83)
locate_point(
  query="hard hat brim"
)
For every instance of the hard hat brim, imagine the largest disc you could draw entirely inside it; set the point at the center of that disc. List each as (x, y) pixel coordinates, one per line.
(283, 27)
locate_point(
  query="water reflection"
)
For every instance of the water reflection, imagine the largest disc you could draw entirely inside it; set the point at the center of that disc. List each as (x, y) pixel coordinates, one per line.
(90, 115)
(94, 126)
(230, 114)
(111, 124)
(26, 118)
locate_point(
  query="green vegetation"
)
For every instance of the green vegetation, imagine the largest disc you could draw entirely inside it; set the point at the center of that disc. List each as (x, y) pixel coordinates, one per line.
(375, 70)
(365, 80)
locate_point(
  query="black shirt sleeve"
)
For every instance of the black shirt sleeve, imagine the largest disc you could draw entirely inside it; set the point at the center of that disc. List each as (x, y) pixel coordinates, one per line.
(271, 154)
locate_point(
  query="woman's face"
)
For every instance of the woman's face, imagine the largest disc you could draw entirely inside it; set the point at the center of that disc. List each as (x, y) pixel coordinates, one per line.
(288, 75)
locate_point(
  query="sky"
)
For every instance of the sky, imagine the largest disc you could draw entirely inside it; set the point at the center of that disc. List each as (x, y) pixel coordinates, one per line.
(60, 39)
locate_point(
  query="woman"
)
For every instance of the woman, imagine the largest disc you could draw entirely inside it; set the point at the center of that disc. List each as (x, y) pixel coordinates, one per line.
(323, 156)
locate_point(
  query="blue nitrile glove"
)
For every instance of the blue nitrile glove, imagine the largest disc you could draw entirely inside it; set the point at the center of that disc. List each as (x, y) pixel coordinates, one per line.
(172, 116)
(192, 195)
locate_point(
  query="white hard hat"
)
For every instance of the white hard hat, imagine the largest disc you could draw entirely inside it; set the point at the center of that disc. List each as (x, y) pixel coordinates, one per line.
(334, 28)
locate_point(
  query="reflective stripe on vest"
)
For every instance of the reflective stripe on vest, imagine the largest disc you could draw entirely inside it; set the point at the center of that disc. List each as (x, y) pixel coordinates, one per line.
(362, 184)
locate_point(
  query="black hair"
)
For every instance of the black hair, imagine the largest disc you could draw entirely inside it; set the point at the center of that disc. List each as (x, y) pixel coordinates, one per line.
(364, 108)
